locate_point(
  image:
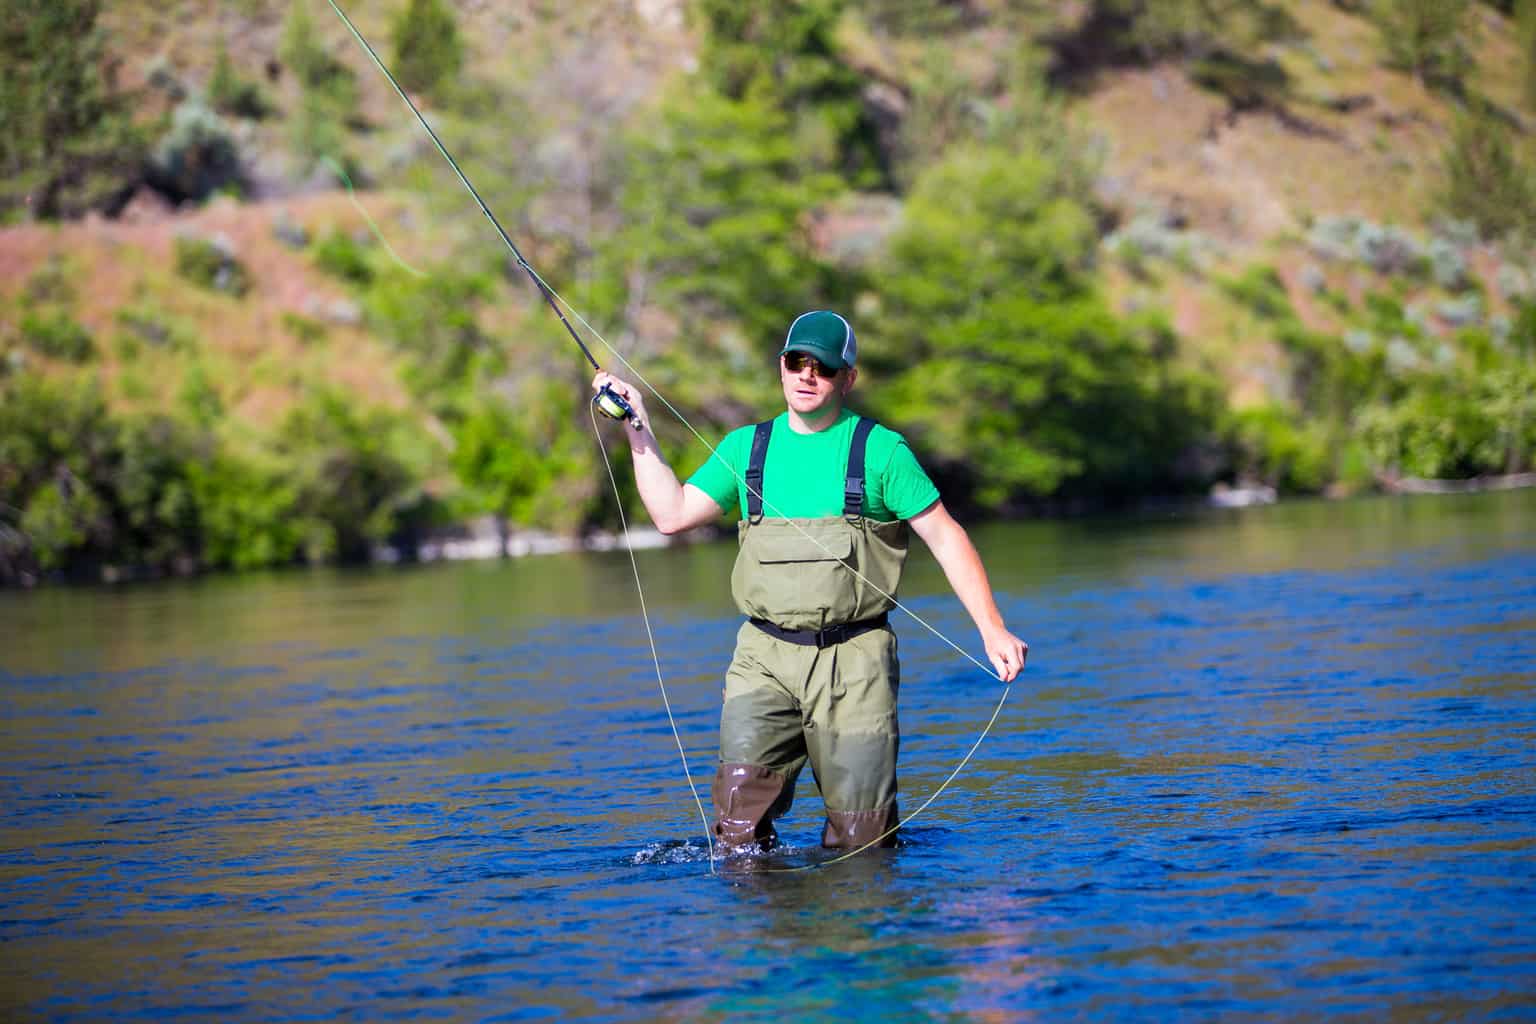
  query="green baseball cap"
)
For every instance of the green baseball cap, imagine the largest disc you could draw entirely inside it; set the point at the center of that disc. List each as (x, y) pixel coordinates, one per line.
(823, 334)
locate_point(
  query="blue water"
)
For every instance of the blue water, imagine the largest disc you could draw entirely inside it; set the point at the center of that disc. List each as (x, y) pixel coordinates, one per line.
(1272, 764)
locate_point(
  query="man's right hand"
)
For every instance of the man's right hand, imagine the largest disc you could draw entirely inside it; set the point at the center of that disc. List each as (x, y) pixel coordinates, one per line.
(673, 507)
(626, 391)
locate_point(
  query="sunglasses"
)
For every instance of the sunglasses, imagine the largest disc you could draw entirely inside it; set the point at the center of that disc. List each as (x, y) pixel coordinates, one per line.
(794, 362)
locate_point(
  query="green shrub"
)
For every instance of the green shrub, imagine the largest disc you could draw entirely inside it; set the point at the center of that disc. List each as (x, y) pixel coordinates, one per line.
(210, 265)
(60, 517)
(248, 512)
(354, 488)
(56, 443)
(308, 331)
(197, 156)
(1483, 179)
(1425, 37)
(1247, 83)
(151, 326)
(233, 94)
(58, 336)
(340, 255)
(521, 460)
(921, 18)
(1440, 430)
(1272, 446)
(428, 53)
(1261, 289)
(301, 49)
(199, 397)
(51, 283)
(434, 321)
(785, 58)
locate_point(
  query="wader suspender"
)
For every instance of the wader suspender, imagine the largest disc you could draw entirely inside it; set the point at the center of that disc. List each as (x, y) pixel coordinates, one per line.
(755, 471)
(853, 485)
(853, 509)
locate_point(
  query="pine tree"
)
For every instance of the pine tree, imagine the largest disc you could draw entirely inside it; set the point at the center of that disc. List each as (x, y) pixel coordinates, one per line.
(69, 143)
(785, 56)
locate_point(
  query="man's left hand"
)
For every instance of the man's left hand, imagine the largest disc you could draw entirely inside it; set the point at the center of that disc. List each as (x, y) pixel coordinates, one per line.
(1006, 652)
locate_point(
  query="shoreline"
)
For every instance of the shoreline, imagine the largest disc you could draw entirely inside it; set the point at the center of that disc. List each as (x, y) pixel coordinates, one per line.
(486, 539)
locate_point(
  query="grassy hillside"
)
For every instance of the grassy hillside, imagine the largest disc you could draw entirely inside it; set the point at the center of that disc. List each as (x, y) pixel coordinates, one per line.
(1261, 195)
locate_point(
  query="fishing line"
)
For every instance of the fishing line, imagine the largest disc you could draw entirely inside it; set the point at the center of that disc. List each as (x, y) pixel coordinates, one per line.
(341, 173)
(556, 302)
(650, 636)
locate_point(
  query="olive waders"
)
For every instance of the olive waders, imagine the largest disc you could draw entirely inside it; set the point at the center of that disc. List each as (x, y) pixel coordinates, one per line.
(814, 676)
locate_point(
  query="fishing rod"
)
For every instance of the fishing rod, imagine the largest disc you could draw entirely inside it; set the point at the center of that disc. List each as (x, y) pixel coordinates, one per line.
(608, 402)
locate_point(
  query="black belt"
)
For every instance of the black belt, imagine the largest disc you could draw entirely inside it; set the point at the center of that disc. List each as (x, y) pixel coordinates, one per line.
(823, 637)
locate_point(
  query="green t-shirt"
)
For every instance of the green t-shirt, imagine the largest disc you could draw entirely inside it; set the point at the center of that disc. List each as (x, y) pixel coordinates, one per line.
(803, 474)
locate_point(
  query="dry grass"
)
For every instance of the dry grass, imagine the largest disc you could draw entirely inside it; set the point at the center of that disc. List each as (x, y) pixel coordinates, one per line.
(1247, 177)
(245, 345)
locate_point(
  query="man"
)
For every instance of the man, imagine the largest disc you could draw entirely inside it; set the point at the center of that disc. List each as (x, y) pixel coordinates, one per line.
(815, 675)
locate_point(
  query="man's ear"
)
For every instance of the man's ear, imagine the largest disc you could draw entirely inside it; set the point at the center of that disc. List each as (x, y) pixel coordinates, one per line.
(853, 375)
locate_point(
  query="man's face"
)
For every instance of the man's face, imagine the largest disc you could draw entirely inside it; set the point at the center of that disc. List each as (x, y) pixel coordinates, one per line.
(808, 390)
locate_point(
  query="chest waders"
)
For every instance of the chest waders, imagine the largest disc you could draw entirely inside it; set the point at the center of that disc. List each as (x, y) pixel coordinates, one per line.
(814, 677)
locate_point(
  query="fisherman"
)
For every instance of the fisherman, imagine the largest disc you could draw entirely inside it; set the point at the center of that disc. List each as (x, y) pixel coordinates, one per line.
(815, 674)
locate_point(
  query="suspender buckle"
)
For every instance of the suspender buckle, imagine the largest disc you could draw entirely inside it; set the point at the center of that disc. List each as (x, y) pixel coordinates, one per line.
(853, 498)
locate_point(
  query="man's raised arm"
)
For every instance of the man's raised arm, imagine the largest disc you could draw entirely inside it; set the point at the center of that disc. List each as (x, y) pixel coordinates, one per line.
(673, 506)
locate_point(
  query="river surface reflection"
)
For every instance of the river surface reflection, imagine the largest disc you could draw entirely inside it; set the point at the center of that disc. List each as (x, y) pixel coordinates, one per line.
(1277, 762)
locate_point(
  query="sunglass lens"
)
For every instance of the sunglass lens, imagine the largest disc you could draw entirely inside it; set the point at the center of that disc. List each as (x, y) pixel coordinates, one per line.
(794, 362)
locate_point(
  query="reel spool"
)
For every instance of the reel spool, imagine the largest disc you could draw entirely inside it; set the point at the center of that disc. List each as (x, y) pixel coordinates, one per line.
(612, 405)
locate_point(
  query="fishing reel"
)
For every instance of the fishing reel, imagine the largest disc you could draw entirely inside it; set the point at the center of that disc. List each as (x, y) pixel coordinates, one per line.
(611, 404)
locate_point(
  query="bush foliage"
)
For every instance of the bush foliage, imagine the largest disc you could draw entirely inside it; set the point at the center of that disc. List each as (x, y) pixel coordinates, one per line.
(232, 93)
(1485, 180)
(57, 335)
(70, 142)
(1426, 37)
(210, 264)
(82, 488)
(428, 51)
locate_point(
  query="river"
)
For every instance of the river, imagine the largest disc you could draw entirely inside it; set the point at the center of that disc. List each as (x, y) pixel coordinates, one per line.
(1276, 762)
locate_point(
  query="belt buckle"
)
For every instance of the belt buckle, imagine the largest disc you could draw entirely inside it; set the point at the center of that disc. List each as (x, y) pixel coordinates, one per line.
(831, 635)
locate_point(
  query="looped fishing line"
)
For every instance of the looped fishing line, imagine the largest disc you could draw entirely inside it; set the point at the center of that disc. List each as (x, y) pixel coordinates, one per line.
(341, 173)
(556, 302)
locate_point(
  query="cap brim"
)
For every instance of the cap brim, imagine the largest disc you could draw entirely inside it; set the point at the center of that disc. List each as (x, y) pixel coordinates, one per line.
(836, 362)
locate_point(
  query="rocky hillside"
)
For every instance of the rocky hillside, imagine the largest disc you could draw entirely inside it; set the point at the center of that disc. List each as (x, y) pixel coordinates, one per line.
(1283, 205)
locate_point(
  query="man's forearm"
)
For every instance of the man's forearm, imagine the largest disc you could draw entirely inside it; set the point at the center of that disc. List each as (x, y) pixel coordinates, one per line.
(660, 490)
(961, 563)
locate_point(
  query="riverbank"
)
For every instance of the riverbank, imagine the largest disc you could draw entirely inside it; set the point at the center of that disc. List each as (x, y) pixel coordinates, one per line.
(486, 538)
